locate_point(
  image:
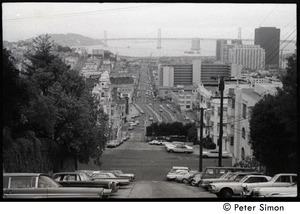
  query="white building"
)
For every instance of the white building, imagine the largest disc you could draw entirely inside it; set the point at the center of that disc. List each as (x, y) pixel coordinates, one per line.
(245, 100)
(250, 56)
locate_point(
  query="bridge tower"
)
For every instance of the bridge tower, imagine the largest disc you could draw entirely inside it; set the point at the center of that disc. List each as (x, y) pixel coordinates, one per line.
(240, 33)
(105, 39)
(195, 44)
(159, 39)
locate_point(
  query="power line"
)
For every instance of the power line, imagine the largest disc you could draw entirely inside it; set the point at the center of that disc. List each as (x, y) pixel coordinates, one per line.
(85, 12)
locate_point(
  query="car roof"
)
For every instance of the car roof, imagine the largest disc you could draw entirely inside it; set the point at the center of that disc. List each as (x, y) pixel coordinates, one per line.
(180, 167)
(70, 173)
(247, 173)
(225, 167)
(24, 174)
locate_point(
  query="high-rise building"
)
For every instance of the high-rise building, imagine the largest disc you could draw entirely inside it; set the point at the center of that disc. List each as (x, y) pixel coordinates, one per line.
(269, 39)
(193, 73)
(181, 74)
(210, 73)
(224, 52)
(218, 48)
(250, 56)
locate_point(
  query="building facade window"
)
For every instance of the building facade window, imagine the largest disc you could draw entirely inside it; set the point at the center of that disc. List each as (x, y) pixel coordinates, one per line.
(244, 111)
(231, 141)
(243, 133)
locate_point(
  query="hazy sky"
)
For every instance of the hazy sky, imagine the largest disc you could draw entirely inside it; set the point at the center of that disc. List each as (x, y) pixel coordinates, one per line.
(25, 20)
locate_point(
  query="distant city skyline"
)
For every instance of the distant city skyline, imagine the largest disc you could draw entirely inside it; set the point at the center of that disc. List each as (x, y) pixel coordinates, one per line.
(21, 21)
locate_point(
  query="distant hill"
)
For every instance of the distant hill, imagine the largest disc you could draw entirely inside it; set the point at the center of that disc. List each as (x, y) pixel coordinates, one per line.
(72, 39)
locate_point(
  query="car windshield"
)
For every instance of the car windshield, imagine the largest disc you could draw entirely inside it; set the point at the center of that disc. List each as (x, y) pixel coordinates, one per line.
(46, 182)
(239, 177)
(84, 177)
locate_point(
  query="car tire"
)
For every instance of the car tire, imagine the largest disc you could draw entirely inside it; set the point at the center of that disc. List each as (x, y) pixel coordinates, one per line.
(226, 193)
(171, 151)
(205, 156)
(193, 183)
(185, 181)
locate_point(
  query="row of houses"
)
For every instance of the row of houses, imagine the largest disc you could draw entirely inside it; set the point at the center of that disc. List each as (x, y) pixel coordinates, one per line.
(240, 98)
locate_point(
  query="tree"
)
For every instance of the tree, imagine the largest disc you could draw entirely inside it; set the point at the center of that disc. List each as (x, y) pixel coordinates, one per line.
(15, 92)
(273, 126)
(61, 108)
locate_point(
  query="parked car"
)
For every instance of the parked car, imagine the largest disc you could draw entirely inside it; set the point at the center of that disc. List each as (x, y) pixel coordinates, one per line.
(172, 175)
(174, 170)
(150, 118)
(132, 123)
(286, 191)
(216, 172)
(214, 154)
(227, 177)
(279, 180)
(81, 179)
(40, 185)
(228, 189)
(112, 144)
(194, 179)
(183, 177)
(121, 174)
(180, 148)
(155, 142)
(98, 175)
(137, 122)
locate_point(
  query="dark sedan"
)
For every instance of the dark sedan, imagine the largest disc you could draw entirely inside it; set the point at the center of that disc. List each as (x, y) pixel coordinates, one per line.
(81, 179)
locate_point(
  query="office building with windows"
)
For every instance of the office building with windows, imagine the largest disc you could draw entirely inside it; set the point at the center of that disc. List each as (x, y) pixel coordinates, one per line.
(249, 56)
(269, 39)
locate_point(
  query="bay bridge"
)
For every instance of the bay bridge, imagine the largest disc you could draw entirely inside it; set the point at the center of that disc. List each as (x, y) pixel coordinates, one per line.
(195, 41)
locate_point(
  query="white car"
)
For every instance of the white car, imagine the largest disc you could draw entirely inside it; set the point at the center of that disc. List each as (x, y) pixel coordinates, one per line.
(279, 180)
(214, 154)
(180, 148)
(156, 142)
(112, 144)
(172, 175)
(183, 177)
(289, 191)
(228, 189)
(132, 123)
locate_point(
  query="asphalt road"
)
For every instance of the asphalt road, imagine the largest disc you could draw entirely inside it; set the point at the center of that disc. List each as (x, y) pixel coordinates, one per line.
(150, 164)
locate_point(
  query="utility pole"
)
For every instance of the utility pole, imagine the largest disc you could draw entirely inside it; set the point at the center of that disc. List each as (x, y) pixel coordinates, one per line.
(201, 140)
(199, 126)
(221, 89)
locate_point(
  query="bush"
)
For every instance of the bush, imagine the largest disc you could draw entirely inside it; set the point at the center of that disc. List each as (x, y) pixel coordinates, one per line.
(209, 145)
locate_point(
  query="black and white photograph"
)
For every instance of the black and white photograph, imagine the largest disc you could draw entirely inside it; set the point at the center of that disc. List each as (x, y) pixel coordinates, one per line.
(141, 101)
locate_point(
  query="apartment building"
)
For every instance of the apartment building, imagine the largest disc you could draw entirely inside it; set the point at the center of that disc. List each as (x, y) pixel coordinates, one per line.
(183, 99)
(245, 100)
